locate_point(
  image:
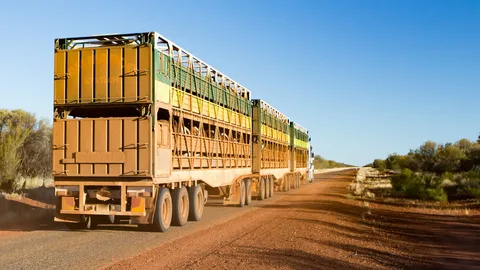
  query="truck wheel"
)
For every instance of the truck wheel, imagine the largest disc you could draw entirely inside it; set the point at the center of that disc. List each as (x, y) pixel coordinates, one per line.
(261, 194)
(195, 196)
(242, 194)
(163, 210)
(92, 222)
(248, 192)
(180, 206)
(271, 187)
(267, 188)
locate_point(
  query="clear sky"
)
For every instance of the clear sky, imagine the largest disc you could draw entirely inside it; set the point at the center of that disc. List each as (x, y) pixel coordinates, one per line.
(367, 78)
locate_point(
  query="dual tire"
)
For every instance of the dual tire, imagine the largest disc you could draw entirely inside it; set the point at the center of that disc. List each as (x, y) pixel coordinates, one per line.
(177, 207)
(265, 189)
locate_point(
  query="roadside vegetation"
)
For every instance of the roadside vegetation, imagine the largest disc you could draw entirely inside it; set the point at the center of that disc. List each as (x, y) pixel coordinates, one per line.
(321, 163)
(25, 148)
(440, 172)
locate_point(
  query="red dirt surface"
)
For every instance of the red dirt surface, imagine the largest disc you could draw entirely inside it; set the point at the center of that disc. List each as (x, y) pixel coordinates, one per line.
(320, 227)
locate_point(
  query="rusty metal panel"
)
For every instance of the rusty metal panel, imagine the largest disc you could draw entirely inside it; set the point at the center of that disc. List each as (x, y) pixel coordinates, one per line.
(130, 146)
(144, 154)
(86, 144)
(115, 65)
(102, 147)
(71, 130)
(100, 143)
(99, 157)
(101, 75)
(73, 80)
(58, 147)
(115, 143)
(60, 76)
(86, 80)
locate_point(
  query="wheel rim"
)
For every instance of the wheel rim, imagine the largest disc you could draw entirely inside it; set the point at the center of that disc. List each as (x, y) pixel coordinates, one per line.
(184, 207)
(244, 196)
(165, 210)
(199, 202)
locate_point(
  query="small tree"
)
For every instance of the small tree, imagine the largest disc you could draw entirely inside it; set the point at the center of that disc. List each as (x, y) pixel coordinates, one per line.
(15, 127)
(464, 144)
(449, 159)
(36, 151)
(426, 156)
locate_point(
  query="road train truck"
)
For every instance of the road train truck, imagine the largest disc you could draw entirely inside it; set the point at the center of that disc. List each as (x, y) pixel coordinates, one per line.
(144, 131)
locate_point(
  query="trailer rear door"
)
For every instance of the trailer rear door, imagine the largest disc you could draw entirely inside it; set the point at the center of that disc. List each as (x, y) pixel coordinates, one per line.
(110, 147)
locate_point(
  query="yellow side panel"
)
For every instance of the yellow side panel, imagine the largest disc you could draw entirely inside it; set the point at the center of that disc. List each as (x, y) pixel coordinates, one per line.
(175, 101)
(145, 66)
(73, 81)
(87, 76)
(211, 111)
(162, 92)
(206, 107)
(226, 115)
(195, 102)
(60, 77)
(101, 75)
(220, 112)
(130, 77)
(234, 118)
(116, 71)
(187, 102)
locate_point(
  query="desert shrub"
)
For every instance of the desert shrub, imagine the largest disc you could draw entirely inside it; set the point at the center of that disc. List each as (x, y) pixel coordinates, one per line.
(471, 183)
(379, 164)
(436, 171)
(424, 186)
(449, 159)
(436, 194)
(396, 162)
(409, 184)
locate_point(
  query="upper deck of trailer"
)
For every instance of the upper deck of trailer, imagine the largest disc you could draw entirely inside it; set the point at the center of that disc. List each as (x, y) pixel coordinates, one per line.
(161, 44)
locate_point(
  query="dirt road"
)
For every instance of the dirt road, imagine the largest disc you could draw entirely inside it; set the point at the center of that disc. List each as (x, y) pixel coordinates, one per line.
(315, 227)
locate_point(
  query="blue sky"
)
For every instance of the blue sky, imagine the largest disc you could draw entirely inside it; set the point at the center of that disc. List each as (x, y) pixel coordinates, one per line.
(367, 78)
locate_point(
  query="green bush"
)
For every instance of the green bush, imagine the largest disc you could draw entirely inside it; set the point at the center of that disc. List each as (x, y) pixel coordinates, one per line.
(435, 171)
(471, 184)
(379, 164)
(420, 186)
(437, 194)
(409, 184)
